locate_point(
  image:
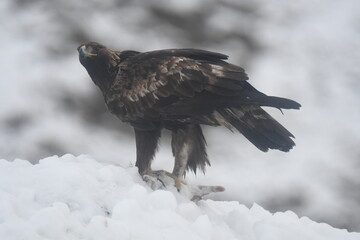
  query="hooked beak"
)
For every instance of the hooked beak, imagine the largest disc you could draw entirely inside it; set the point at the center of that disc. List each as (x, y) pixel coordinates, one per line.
(85, 51)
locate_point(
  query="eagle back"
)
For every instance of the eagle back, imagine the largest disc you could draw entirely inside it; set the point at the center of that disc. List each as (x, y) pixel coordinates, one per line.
(148, 83)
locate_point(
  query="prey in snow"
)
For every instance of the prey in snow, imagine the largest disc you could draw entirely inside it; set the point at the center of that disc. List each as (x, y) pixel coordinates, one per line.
(180, 90)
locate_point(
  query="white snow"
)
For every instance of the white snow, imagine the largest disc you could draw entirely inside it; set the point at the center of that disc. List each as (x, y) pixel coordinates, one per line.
(72, 197)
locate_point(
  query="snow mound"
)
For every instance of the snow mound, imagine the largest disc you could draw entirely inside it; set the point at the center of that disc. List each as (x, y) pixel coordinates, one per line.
(79, 198)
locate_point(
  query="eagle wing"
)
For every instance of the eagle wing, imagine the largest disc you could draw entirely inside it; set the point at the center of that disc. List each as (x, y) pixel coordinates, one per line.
(168, 88)
(176, 82)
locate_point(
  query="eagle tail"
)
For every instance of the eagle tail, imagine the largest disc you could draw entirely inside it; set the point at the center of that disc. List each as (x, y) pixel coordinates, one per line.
(258, 127)
(277, 102)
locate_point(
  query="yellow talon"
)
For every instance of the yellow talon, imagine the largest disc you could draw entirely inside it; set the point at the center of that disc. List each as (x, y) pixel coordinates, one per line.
(178, 183)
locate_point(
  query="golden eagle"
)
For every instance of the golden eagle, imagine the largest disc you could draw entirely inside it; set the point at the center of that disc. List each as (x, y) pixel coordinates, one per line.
(180, 90)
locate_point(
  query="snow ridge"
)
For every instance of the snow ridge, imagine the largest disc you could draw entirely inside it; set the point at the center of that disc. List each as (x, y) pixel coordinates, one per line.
(72, 197)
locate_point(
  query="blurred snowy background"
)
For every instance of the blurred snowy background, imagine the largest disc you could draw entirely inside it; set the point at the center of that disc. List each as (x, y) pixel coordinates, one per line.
(307, 50)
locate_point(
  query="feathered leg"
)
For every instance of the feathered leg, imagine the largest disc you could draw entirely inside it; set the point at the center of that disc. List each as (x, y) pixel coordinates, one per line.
(181, 148)
(189, 149)
(146, 145)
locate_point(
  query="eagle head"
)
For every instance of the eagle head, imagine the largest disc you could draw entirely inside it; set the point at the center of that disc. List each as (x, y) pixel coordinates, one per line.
(100, 62)
(90, 49)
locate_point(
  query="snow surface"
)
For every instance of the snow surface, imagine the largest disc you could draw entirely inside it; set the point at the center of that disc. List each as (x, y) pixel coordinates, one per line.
(80, 198)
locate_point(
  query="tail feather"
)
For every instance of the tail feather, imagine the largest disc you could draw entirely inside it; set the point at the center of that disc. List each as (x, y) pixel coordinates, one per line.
(259, 128)
(260, 99)
(252, 96)
(277, 102)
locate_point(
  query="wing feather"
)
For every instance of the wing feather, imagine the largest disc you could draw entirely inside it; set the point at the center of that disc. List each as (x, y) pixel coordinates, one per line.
(185, 73)
(179, 81)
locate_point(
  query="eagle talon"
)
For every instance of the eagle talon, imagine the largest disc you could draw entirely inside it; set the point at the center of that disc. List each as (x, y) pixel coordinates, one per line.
(162, 180)
(154, 182)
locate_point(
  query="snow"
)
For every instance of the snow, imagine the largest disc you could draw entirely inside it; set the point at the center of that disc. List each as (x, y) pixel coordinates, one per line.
(72, 197)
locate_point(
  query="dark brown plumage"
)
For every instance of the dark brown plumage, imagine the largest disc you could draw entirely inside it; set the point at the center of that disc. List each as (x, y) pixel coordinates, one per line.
(179, 90)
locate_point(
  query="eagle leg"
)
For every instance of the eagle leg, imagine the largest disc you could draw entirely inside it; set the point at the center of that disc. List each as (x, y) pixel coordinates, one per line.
(181, 151)
(189, 149)
(188, 145)
(146, 145)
